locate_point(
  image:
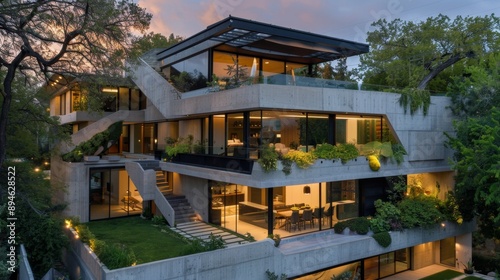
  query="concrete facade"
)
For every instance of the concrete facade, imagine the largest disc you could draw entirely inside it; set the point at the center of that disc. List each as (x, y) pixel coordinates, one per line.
(295, 256)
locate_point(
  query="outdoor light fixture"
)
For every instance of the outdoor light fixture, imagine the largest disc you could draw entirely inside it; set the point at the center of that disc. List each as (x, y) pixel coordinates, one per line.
(110, 90)
(307, 190)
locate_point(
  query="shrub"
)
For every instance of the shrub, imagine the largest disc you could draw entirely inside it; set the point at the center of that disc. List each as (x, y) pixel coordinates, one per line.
(389, 214)
(419, 212)
(268, 159)
(116, 256)
(340, 226)
(158, 220)
(486, 264)
(302, 159)
(378, 225)
(360, 225)
(84, 233)
(326, 151)
(383, 238)
(347, 152)
(276, 238)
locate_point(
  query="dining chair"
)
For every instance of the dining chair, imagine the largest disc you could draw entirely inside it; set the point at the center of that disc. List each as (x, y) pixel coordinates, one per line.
(316, 214)
(327, 214)
(294, 221)
(307, 217)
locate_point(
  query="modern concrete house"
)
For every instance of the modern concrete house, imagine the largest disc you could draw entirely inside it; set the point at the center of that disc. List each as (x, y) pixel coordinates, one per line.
(230, 90)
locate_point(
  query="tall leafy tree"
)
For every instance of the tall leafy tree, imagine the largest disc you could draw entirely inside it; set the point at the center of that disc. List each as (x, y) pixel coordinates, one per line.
(476, 102)
(420, 55)
(40, 38)
(151, 41)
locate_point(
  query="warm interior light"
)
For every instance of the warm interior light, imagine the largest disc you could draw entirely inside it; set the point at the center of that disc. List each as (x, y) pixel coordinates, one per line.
(110, 90)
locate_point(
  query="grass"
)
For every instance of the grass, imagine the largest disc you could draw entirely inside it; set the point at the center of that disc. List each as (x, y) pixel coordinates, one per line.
(148, 242)
(443, 275)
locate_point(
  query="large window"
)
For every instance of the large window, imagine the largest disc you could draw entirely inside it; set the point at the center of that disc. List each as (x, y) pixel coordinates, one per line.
(232, 70)
(112, 194)
(190, 74)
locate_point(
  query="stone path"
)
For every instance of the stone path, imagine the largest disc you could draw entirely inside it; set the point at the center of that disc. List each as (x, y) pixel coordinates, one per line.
(202, 230)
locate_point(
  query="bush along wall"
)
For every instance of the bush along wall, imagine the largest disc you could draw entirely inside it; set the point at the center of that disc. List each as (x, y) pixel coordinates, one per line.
(98, 144)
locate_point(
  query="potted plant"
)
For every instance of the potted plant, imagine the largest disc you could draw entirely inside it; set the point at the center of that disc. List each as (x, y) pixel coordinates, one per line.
(468, 268)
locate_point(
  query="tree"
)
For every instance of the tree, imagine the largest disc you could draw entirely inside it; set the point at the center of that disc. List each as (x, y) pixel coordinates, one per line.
(420, 55)
(476, 141)
(41, 38)
(151, 41)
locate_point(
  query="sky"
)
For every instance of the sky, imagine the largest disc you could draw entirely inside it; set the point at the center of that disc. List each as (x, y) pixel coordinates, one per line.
(345, 19)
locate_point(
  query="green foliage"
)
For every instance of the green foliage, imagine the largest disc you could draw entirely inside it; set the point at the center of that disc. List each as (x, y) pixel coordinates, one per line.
(409, 54)
(115, 255)
(185, 81)
(326, 151)
(387, 216)
(197, 245)
(450, 209)
(268, 159)
(84, 233)
(377, 148)
(383, 238)
(272, 276)
(150, 41)
(475, 93)
(276, 238)
(477, 157)
(485, 264)
(347, 152)
(377, 224)
(302, 159)
(398, 153)
(158, 220)
(420, 212)
(41, 228)
(339, 227)
(42, 236)
(415, 99)
(99, 143)
(360, 225)
(179, 146)
(398, 189)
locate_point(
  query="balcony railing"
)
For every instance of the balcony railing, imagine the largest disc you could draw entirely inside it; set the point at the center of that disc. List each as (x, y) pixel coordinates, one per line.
(225, 83)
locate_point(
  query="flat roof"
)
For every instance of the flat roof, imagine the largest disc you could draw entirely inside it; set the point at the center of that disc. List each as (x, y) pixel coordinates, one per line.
(249, 37)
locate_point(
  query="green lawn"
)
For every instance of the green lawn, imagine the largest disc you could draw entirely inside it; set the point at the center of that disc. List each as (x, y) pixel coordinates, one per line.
(443, 275)
(147, 242)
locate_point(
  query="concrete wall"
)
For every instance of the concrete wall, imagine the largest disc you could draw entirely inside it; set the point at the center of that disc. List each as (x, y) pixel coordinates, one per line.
(320, 171)
(71, 181)
(295, 256)
(196, 191)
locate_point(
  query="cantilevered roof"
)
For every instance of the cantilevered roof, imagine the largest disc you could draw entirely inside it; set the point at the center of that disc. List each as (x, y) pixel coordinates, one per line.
(256, 38)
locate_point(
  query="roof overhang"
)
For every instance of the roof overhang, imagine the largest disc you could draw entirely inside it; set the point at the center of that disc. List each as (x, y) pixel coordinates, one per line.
(260, 39)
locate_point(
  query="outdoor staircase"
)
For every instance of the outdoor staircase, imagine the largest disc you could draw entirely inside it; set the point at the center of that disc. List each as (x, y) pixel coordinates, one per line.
(162, 183)
(184, 213)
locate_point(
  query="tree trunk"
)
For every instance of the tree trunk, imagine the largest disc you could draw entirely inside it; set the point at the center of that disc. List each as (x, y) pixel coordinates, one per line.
(4, 114)
(434, 72)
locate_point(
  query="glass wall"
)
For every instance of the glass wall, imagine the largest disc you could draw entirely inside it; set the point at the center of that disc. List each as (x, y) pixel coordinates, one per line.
(360, 130)
(386, 264)
(189, 74)
(318, 206)
(112, 194)
(232, 70)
